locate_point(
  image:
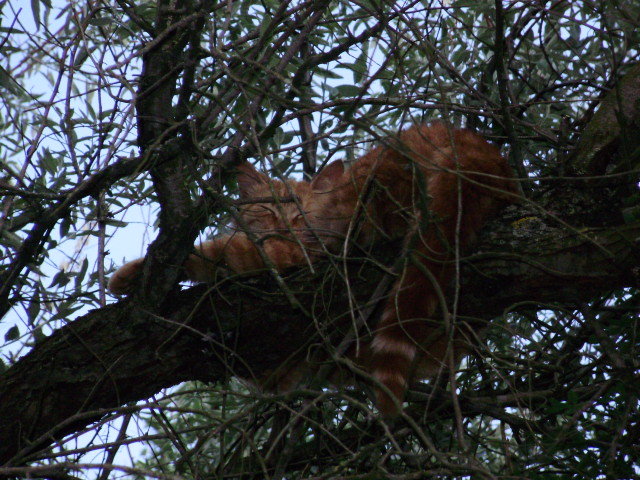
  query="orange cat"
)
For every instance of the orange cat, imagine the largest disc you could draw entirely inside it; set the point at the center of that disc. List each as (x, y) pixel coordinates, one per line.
(461, 180)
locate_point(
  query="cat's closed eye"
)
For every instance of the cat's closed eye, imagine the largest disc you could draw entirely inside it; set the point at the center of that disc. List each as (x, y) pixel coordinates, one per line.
(259, 211)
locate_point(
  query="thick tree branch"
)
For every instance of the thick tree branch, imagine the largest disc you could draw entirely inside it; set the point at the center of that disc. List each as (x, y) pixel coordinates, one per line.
(157, 118)
(611, 137)
(109, 357)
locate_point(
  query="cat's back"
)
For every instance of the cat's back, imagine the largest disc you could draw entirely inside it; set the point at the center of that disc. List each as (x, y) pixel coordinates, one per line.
(441, 147)
(440, 139)
(442, 152)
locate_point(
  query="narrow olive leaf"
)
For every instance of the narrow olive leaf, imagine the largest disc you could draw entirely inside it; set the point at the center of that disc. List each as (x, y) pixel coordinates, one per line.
(35, 10)
(359, 68)
(348, 90)
(82, 272)
(34, 306)
(80, 57)
(7, 81)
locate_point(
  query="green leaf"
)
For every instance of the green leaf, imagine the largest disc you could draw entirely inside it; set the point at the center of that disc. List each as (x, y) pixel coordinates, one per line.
(35, 9)
(105, 113)
(10, 239)
(65, 225)
(465, 3)
(61, 278)
(325, 72)
(7, 81)
(10, 30)
(80, 57)
(556, 406)
(12, 334)
(115, 223)
(34, 306)
(631, 215)
(359, 68)
(348, 90)
(100, 21)
(82, 272)
(48, 161)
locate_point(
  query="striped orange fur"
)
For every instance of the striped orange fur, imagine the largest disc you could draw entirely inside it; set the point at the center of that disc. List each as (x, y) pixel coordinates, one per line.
(432, 185)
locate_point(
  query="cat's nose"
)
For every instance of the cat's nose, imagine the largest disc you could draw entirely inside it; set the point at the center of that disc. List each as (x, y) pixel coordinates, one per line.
(284, 252)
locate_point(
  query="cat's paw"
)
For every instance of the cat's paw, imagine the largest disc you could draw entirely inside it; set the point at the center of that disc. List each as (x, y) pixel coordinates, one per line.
(122, 280)
(202, 266)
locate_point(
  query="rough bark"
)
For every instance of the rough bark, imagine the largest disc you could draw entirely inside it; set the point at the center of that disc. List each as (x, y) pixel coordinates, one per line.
(611, 137)
(246, 326)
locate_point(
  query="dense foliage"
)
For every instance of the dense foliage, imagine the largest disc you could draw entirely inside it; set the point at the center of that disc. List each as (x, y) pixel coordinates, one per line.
(121, 121)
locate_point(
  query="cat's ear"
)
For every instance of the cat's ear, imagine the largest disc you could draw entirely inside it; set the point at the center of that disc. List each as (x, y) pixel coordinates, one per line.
(248, 178)
(328, 176)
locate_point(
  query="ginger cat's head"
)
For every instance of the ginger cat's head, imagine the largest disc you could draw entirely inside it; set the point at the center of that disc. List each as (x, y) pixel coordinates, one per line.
(289, 214)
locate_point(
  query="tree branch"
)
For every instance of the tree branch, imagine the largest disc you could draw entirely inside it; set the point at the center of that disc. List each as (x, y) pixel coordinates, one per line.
(612, 134)
(110, 357)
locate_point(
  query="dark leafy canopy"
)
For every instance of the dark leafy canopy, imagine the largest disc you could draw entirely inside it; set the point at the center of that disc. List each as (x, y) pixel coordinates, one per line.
(120, 114)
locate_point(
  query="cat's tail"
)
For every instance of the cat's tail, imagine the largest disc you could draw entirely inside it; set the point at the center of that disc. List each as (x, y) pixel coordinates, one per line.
(411, 334)
(411, 327)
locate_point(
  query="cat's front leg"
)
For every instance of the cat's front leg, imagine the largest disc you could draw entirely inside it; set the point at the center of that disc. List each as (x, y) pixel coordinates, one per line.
(121, 282)
(199, 267)
(234, 252)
